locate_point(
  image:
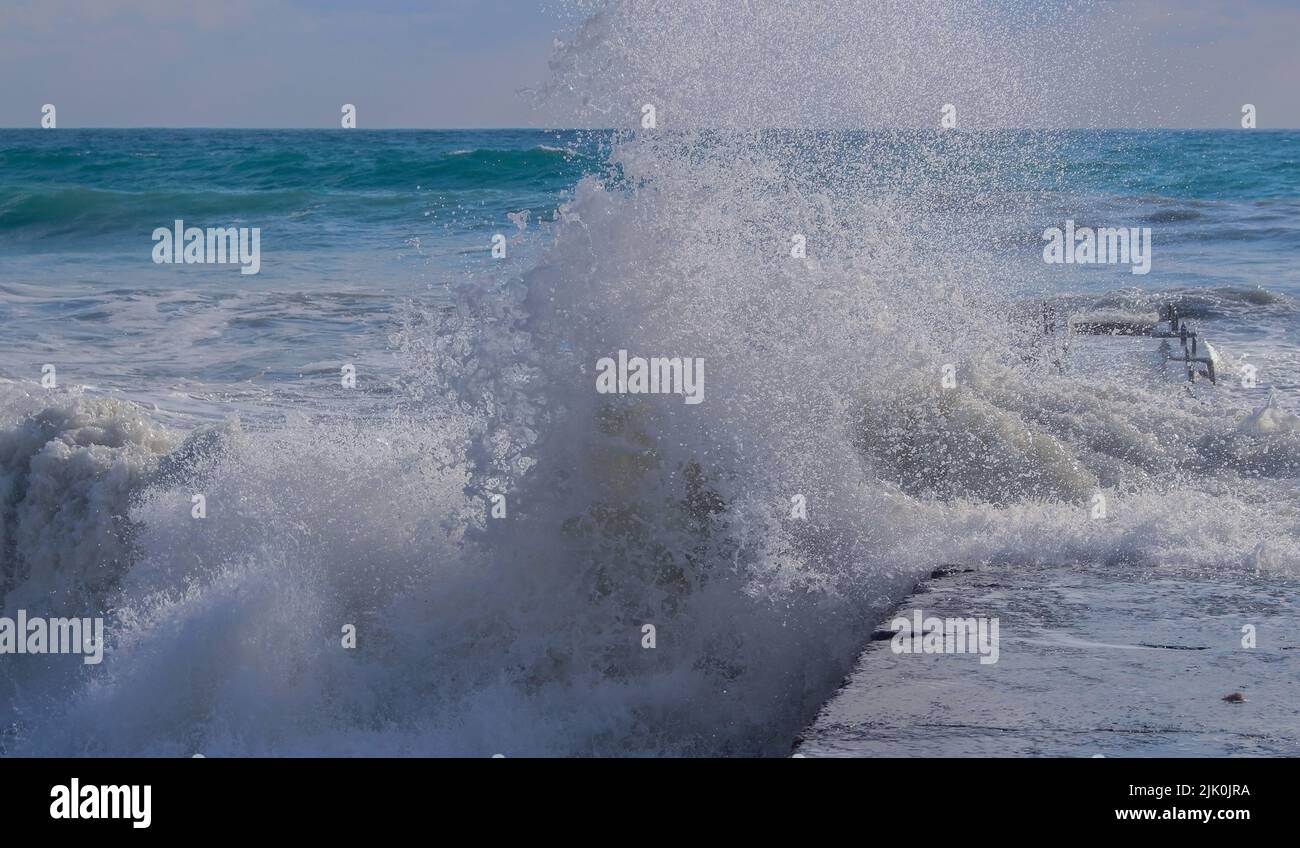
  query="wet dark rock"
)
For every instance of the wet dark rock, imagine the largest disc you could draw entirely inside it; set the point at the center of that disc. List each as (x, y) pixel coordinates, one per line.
(947, 570)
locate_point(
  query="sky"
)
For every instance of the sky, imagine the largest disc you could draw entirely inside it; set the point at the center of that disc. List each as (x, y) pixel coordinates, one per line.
(470, 63)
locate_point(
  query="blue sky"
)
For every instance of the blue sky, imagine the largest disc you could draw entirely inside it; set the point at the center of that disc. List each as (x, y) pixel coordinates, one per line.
(272, 63)
(462, 63)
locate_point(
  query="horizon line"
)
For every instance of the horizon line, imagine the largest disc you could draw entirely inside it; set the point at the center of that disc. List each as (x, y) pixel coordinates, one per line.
(662, 130)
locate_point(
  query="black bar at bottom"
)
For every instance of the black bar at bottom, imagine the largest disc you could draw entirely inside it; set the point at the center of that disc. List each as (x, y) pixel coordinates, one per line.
(360, 796)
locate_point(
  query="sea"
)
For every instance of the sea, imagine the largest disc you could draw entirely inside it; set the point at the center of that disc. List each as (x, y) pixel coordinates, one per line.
(369, 499)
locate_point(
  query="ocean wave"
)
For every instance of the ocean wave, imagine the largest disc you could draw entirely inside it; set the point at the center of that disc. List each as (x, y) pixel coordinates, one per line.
(76, 211)
(523, 634)
(1238, 304)
(44, 199)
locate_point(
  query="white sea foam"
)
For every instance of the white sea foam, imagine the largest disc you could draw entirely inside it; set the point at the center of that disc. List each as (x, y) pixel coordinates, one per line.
(1270, 419)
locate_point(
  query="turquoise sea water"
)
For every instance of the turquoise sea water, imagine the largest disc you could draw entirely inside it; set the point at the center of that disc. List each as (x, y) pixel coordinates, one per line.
(352, 222)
